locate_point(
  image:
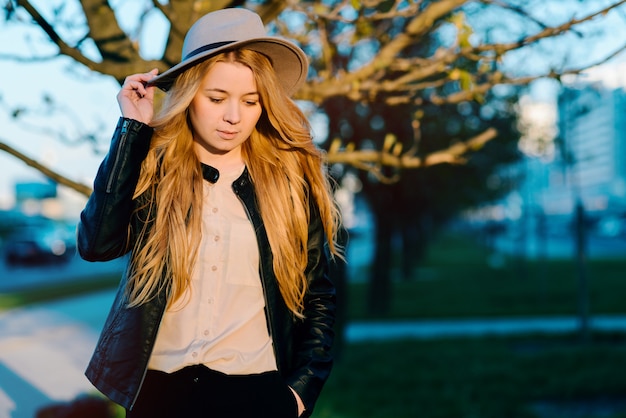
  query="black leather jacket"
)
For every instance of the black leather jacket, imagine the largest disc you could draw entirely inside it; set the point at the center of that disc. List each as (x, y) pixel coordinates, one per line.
(119, 363)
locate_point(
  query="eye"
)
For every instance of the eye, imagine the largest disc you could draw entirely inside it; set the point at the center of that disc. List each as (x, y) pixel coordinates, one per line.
(251, 102)
(216, 99)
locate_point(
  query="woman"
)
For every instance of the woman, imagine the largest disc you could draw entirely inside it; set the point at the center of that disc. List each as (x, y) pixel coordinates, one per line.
(226, 308)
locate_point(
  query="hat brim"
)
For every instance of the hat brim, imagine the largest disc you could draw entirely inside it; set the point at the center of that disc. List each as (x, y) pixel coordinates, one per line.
(289, 62)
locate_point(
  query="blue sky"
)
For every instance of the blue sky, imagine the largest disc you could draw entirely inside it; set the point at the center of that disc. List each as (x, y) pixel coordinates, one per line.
(88, 97)
(91, 97)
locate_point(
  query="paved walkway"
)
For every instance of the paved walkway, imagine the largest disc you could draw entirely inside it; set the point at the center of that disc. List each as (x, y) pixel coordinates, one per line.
(477, 327)
(43, 352)
(44, 349)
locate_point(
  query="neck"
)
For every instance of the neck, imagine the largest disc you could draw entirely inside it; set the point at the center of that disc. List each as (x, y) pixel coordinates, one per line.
(224, 163)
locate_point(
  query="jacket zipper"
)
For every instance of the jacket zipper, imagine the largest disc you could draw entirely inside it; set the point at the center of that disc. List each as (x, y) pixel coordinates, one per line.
(143, 378)
(118, 153)
(145, 372)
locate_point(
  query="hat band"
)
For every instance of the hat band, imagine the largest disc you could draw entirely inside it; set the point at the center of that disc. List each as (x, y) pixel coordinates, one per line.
(206, 48)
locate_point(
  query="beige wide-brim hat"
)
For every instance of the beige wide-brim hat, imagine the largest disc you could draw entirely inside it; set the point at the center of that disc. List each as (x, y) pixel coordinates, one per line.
(235, 28)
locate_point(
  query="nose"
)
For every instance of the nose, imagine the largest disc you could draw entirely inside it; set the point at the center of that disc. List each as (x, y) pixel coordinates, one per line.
(232, 113)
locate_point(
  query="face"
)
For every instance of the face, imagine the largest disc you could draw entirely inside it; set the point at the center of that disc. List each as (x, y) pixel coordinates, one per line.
(224, 112)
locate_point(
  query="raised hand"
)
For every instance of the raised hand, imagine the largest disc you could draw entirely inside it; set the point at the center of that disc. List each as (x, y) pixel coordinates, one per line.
(136, 101)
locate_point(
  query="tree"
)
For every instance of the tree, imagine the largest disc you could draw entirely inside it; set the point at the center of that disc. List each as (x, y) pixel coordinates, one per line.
(410, 206)
(405, 61)
(94, 37)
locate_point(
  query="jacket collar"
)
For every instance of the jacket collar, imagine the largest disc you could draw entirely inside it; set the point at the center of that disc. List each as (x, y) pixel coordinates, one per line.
(210, 174)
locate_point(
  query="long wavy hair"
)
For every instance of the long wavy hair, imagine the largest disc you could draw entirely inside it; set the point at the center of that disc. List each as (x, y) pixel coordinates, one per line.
(285, 166)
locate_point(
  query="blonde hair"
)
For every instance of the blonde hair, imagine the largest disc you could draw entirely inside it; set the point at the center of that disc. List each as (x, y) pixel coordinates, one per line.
(285, 166)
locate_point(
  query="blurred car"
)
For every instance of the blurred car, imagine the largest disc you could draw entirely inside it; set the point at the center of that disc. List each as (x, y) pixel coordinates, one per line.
(39, 245)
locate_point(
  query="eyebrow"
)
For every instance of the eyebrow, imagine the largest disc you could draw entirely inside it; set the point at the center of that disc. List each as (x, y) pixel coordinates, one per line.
(217, 90)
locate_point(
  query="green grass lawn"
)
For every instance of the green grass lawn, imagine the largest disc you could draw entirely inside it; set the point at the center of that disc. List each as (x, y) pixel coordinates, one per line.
(528, 376)
(53, 291)
(514, 377)
(455, 280)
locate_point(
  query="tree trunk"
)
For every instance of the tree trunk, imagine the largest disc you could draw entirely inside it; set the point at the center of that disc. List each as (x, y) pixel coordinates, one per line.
(379, 292)
(339, 276)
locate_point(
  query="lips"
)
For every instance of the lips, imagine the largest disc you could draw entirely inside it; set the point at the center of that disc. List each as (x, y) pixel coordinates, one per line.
(227, 134)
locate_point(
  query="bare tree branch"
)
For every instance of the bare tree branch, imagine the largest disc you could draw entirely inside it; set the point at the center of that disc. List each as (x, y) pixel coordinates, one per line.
(373, 161)
(112, 42)
(372, 79)
(389, 76)
(53, 175)
(550, 31)
(64, 48)
(349, 84)
(369, 160)
(497, 77)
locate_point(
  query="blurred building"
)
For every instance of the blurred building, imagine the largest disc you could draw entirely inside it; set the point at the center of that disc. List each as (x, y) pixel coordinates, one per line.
(589, 164)
(575, 153)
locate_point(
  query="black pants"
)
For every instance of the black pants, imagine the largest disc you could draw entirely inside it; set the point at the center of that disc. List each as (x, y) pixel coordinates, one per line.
(197, 391)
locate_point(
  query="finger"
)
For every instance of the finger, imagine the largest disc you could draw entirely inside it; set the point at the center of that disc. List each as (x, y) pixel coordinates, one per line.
(152, 74)
(134, 93)
(140, 78)
(134, 86)
(145, 77)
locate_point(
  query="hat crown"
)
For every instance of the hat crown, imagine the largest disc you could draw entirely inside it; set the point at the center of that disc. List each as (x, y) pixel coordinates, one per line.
(234, 28)
(222, 27)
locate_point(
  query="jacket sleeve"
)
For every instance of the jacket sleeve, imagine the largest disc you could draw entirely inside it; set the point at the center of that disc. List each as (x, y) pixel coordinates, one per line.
(102, 233)
(314, 334)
